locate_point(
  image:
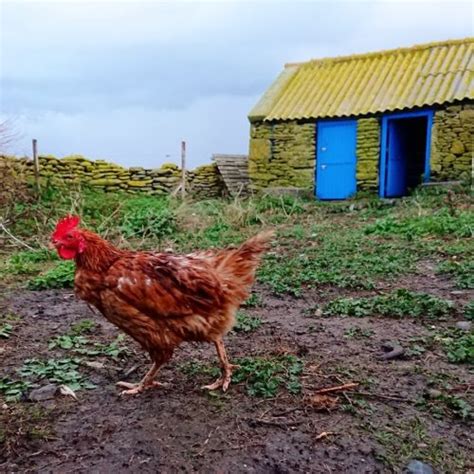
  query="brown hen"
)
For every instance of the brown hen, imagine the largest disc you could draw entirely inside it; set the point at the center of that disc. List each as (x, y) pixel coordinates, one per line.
(162, 299)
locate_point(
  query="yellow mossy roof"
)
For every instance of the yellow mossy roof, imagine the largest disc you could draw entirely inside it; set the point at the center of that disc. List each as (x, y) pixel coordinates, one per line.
(360, 84)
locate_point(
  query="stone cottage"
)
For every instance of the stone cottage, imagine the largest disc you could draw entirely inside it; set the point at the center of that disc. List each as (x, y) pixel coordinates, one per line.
(383, 121)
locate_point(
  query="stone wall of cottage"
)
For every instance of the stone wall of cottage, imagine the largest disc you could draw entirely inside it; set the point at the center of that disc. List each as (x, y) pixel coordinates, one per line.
(452, 142)
(204, 181)
(368, 153)
(282, 155)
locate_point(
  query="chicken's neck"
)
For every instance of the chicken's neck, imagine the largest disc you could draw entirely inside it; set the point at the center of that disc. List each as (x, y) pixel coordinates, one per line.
(98, 254)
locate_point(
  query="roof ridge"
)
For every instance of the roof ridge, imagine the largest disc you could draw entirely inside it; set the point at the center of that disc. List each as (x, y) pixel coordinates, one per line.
(384, 52)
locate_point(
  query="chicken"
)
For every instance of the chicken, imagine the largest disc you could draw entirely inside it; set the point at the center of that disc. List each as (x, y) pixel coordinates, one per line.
(162, 299)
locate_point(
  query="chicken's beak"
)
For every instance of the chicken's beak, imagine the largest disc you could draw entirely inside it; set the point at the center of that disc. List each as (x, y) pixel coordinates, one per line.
(51, 246)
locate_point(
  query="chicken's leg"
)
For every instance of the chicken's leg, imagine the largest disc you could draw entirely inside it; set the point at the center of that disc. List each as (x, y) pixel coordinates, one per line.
(226, 368)
(147, 381)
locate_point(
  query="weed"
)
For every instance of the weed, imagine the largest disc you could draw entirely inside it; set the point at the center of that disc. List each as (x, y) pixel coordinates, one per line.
(461, 270)
(399, 304)
(469, 310)
(438, 224)
(357, 332)
(458, 345)
(253, 301)
(61, 276)
(410, 440)
(26, 262)
(147, 217)
(246, 323)
(83, 326)
(263, 376)
(61, 371)
(67, 342)
(13, 389)
(5, 330)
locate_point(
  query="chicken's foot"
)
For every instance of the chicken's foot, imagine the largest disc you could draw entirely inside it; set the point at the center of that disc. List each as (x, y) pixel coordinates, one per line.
(147, 382)
(226, 369)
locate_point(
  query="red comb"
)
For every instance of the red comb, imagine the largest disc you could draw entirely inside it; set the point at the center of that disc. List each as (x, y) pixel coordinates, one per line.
(65, 225)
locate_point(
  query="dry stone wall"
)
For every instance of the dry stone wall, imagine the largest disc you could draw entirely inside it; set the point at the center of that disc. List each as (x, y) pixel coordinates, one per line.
(204, 181)
(452, 142)
(368, 153)
(282, 155)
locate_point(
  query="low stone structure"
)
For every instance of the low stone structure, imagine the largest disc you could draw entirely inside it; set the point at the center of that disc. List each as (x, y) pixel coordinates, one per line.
(203, 182)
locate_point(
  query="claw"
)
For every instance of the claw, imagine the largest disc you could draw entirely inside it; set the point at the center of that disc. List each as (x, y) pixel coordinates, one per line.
(135, 388)
(224, 380)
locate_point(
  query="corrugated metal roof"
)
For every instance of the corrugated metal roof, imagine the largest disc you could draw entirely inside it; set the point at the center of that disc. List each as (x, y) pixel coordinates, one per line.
(390, 80)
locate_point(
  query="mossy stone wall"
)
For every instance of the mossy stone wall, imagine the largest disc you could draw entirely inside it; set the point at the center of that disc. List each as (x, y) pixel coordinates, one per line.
(282, 154)
(204, 181)
(368, 153)
(452, 142)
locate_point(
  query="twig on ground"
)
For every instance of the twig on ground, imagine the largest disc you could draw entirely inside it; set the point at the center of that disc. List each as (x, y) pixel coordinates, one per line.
(383, 397)
(15, 239)
(339, 388)
(324, 434)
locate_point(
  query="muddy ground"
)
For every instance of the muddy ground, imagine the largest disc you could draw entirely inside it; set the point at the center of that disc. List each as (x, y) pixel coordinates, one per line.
(376, 427)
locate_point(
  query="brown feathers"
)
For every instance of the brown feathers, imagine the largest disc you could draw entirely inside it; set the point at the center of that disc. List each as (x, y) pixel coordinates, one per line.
(163, 299)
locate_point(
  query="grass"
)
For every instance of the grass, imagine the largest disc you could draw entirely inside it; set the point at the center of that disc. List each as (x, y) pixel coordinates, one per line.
(401, 303)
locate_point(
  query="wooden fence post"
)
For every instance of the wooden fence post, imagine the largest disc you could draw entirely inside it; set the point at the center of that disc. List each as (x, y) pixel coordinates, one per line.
(36, 166)
(183, 169)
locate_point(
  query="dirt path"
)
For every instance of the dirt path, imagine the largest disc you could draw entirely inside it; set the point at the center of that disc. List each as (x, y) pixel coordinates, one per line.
(183, 429)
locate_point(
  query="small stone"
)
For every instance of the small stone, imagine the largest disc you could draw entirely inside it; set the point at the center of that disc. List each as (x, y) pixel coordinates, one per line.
(43, 393)
(418, 467)
(464, 325)
(392, 350)
(433, 393)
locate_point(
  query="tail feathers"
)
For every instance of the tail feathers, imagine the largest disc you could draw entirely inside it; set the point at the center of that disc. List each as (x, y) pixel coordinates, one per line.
(256, 245)
(238, 265)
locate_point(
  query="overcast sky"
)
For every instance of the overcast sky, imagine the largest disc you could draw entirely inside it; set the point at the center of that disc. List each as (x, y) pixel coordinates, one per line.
(126, 81)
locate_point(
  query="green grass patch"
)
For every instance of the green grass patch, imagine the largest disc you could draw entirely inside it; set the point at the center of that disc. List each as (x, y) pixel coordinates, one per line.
(438, 224)
(262, 376)
(61, 276)
(461, 270)
(401, 303)
(12, 390)
(458, 345)
(246, 323)
(61, 371)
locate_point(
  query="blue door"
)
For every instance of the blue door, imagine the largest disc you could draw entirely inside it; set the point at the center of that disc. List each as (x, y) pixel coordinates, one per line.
(397, 162)
(336, 159)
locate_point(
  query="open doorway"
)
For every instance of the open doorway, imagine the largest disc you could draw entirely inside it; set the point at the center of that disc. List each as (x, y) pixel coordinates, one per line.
(405, 152)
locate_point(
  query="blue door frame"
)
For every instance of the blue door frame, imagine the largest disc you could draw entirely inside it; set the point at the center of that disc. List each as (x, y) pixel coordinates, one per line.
(385, 146)
(336, 159)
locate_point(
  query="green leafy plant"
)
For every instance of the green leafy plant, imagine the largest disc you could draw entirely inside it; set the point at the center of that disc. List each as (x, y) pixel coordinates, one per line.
(147, 217)
(12, 390)
(458, 345)
(61, 276)
(246, 323)
(83, 326)
(438, 224)
(5, 330)
(67, 342)
(401, 303)
(262, 376)
(461, 270)
(253, 301)
(61, 371)
(357, 332)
